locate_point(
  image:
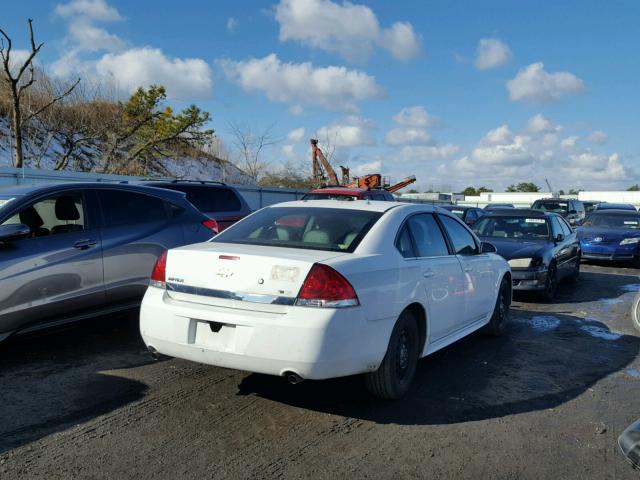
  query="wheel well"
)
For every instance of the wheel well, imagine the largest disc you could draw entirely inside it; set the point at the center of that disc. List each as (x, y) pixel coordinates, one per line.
(421, 316)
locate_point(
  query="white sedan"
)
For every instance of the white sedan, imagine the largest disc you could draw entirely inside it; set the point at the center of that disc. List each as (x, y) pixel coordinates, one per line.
(322, 289)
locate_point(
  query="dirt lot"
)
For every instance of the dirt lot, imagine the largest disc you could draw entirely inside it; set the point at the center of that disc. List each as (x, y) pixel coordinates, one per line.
(547, 400)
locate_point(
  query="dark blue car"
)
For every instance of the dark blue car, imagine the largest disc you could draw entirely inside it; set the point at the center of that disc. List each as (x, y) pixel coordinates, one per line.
(75, 250)
(612, 235)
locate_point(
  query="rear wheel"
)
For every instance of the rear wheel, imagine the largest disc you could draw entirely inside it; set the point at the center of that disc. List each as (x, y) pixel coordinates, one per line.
(500, 317)
(551, 285)
(395, 374)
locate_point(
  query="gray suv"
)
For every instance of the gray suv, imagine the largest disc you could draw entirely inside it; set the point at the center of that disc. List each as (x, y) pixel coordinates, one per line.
(75, 250)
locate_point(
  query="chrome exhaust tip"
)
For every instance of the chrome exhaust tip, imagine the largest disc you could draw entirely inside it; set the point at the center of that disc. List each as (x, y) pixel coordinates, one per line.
(293, 378)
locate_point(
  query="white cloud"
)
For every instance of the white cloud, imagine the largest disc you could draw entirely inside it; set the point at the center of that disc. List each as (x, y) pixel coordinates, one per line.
(87, 37)
(569, 142)
(428, 152)
(407, 136)
(332, 87)
(182, 77)
(352, 131)
(351, 30)
(366, 168)
(598, 136)
(588, 166)
(534, 84)
(491, 53)
(498, 136)
(92, 9)
(232, 24)
(288, 151)
(538, 124)
(296, 134)
(411, 127)
(296, 110)
(415, 116)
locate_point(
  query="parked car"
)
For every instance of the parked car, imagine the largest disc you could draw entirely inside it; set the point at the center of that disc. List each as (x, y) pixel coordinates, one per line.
(541, 247)
(347, 193)
(572, 210)
(629, 443)
(468, 215)
(615, 206)
(219, 201)
(322, 289)
(74, 250)
(590, 205)
(612, 235)
(493, 206)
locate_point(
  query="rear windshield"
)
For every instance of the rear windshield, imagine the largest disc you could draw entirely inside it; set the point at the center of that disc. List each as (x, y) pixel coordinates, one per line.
(513, 227)
(329, 196)
(557, 207)
(612, 221)
(209, 199)
(331, 229)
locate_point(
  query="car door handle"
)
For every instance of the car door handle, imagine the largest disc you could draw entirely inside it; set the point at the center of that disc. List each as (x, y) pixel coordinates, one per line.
(84, 244)
(428, 273)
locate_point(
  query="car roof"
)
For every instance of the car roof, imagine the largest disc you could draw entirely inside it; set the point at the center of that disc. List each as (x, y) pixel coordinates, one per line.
(615, 211)
(456, 207)
(340, 190)
(44, 188)
(367, 205)
(517, 212)
(615, 206)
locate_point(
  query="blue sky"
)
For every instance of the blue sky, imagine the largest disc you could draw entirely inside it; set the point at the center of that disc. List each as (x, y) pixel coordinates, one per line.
(457, 93)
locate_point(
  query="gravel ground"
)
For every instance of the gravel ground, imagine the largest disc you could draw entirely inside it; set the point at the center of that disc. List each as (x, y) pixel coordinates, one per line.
(547, 400)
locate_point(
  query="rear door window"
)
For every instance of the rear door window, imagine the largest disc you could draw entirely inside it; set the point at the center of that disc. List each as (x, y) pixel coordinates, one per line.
(121, 207)
(427, 236)
(462, 240)
(404, 243)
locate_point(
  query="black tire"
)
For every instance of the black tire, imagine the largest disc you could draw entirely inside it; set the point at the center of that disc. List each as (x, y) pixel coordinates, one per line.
(394, 376)
(575, 275)
(635, 313)
(551, 286)
(500, 317)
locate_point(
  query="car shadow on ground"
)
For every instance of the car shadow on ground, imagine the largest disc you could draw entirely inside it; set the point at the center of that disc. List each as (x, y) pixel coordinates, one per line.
(590, 287)
(59, 378)
(538, 364)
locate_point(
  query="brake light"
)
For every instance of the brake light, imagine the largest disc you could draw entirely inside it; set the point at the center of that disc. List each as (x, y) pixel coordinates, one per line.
(324, 287)
(159, 272)
(212, 225)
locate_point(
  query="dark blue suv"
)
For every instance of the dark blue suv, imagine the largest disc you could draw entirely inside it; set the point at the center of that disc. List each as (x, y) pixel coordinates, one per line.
(74, 250)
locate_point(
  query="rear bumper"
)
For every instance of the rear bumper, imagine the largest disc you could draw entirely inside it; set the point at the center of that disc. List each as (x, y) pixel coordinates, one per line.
(525, 279)
(314, 343)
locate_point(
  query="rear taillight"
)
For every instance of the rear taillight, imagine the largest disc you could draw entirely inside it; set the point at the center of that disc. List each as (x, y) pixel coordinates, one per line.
(159, 272)
(212, 225)
(324, 287)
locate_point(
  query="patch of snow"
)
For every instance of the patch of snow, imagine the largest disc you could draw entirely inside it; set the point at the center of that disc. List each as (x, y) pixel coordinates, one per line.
(543, 323)
(601, 332)
(632, 372)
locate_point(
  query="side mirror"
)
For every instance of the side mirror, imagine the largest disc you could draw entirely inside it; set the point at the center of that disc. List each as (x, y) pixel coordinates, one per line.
(16, 231)
(559, 237)
(486, 247)
(629, 443)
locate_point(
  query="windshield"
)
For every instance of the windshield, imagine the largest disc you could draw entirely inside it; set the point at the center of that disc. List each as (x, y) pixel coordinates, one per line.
(329, 196)
(557, 207)
(332, 229)
(612, 221)
(513, 227)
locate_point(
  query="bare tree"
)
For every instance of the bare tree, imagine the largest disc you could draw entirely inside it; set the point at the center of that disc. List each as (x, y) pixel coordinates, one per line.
(250, 146)
(18, 85)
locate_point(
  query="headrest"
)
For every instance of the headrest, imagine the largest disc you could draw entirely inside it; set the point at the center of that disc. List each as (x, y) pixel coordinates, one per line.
(66, 208)
(30, 217)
